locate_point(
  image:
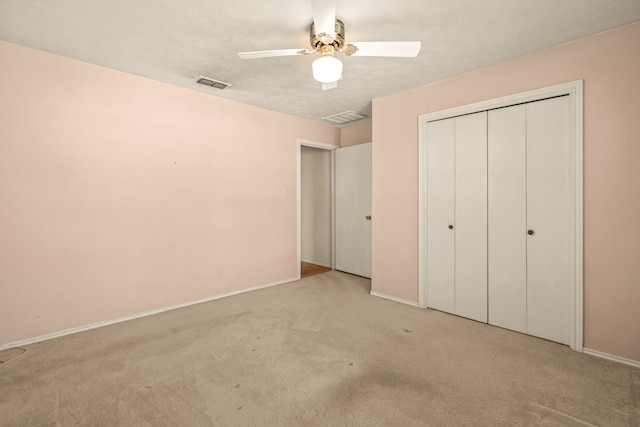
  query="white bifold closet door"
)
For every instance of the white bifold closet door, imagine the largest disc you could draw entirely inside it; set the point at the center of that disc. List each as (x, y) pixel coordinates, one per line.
(470, 224)
(549, 219)
(529, 215)
(457, 216)
(507, 180)
(440, 213)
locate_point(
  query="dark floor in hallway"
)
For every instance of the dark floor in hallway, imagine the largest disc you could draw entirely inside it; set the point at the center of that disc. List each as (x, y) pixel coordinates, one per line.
(307, 269)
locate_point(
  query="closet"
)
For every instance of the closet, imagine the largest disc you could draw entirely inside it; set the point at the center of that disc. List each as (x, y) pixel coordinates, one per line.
(499, 213)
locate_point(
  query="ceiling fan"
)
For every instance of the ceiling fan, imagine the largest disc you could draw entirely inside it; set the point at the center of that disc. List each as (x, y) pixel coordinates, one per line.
(327, 39)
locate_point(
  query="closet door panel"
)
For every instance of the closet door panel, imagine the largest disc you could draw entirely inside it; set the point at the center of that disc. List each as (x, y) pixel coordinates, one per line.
(440, 214)
(548, 217)
(507, 214)
(470, 227)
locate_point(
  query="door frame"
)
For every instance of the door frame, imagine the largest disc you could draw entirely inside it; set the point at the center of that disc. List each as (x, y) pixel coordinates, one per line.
(323, 146)
(574, 90)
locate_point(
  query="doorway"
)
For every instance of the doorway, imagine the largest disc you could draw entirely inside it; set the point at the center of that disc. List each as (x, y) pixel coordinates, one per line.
(315, 208)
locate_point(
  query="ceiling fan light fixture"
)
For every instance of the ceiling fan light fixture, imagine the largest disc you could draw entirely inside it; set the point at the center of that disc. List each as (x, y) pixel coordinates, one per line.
(327, 69)
(327, 37)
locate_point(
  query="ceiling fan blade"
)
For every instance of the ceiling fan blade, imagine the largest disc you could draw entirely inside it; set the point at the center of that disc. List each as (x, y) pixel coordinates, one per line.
(272, 53)
(324, 16)
(327, 86)
(390, 49)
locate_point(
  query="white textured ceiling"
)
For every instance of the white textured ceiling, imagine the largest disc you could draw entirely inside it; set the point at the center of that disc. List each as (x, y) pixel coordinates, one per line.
(176, 41)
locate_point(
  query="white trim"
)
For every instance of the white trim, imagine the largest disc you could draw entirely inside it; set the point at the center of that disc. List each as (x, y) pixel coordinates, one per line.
(396, 299)
(134, 316)
(422, 207)
(333, 209)
(314, 262)
(568, 88)
(577, 339)
(575, 91)
(611, 357)
(321, 145)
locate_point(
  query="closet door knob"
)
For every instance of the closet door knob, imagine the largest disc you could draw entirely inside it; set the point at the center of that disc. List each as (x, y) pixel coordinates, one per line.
(530, 232)
(450, 227)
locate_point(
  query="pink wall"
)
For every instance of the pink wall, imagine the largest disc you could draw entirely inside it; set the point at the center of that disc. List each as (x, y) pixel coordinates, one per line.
(609, 63)
(121, 195)
(357, 133)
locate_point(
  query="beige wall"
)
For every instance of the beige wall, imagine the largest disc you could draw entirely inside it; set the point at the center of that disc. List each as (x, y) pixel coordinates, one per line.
(315, 205)
(357, 133)
(120, 195)
(609, 63)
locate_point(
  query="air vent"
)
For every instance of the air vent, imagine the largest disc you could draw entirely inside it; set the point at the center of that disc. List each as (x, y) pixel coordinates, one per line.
(213, 83)
(344, 117)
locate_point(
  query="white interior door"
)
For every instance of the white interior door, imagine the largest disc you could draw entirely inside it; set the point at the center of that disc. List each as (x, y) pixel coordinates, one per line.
(507, 216)
(353, 209)
(470, 227)
(440, 215)
(549, 212)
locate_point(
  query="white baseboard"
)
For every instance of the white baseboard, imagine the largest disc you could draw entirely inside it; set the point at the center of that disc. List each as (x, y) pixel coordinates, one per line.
(310, 261)
(133, 316)
(389, 297)
(611, 357)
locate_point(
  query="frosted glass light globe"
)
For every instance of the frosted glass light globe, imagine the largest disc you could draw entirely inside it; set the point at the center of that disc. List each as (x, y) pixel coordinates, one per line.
(327, 69)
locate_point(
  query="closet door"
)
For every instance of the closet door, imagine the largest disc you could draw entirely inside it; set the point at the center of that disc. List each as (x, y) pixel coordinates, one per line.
(529, 218)
(470, 225)
(440, 215)
(548, 219)
(507, 215)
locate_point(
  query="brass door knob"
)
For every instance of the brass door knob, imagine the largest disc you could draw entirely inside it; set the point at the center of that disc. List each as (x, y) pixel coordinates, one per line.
(368, 217)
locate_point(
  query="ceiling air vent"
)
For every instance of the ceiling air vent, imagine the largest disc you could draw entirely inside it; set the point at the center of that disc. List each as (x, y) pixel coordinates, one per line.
(344, 117)
(213, 83)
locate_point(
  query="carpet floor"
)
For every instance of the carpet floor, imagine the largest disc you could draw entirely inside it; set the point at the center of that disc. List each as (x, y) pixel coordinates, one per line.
(320, 351)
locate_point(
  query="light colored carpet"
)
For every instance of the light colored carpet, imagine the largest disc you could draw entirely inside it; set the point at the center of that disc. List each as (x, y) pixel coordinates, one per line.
(320, 351)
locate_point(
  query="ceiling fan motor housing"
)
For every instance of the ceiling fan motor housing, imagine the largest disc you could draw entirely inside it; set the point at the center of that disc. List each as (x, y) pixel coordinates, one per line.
(324, 39)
